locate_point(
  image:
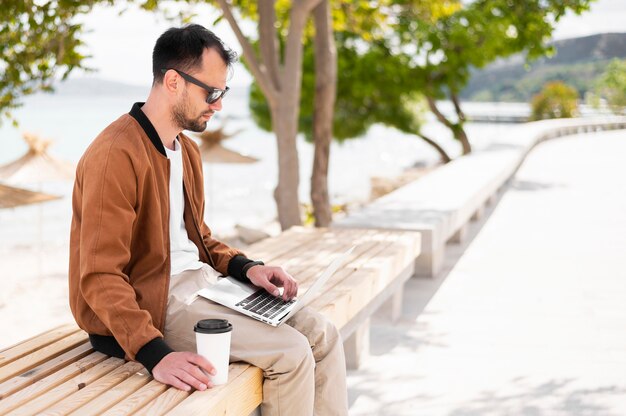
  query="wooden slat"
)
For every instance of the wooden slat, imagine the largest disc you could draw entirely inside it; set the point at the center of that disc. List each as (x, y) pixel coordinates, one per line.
(275, 246)
(48, 383)
(26, 379)
(283, 247)
(370, 278)
(62, 391)
(23, 348)
(98, 387)
(314, 255)
(305, 241)
(366, 250)
(138, 399)
(114, 395)
(42, 355)
(307, 266)
(17, 344)
(164, 402)
(307, 272)
(242, 394)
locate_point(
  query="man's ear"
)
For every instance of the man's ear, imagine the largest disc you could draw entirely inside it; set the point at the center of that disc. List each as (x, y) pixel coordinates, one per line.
(171, 81)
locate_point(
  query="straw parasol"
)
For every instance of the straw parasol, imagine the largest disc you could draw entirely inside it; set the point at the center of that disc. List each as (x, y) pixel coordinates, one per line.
(11, 197)
(37, 165)
(213, 151)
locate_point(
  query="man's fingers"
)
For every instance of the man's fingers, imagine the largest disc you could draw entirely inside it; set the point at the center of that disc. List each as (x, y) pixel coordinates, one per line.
(271, 278)
(289, 283)
(190, 380)
(267, 285)
(201, 362)
(198, 374)
(176, 382)
(289, 288)
(294, 289)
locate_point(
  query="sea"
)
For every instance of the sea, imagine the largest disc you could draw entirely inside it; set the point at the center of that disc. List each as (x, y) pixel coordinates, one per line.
(235, 194)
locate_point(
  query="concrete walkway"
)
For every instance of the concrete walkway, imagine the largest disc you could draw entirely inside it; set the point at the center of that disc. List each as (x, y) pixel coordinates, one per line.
(529, 316)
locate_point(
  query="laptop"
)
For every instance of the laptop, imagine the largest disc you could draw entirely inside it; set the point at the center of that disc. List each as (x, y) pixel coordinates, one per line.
(257, 303)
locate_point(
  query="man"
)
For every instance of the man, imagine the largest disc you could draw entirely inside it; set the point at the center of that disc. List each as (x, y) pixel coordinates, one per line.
(140, 250)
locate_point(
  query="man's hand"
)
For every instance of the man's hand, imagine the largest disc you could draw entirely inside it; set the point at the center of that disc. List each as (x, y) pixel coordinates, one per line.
(183, 370)
(271, 278)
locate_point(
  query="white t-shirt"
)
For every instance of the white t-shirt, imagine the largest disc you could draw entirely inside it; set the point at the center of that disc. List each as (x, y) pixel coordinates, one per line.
(183, 252)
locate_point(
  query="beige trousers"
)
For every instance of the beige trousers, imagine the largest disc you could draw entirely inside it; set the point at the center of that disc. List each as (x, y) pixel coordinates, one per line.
(302, 360)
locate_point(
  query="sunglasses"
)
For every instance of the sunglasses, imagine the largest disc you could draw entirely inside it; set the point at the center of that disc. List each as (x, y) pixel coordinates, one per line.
(214, 93)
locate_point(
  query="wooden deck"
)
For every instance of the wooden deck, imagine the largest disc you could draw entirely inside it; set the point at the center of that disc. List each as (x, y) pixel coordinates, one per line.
(58, 373)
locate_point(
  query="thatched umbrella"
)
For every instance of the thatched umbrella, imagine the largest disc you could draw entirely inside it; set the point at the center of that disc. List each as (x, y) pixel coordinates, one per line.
(11, 197)
(213, 151)
(37, 165)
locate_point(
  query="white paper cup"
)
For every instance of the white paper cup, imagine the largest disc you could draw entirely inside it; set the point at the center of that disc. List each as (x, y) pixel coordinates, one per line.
(213, 343)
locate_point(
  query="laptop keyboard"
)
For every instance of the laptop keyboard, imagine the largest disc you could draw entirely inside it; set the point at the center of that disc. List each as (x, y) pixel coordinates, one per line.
(264, 304)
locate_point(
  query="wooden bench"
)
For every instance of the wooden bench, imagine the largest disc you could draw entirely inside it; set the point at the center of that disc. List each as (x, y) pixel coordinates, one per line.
(441, 204)
(59, 373)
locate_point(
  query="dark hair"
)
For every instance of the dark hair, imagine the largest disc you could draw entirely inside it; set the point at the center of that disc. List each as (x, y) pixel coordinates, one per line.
(182, 49)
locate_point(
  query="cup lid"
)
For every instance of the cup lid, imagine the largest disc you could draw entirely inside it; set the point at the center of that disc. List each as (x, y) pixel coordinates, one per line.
(213, 326)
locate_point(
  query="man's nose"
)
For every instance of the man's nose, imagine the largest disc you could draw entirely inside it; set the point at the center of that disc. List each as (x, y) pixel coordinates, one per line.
(216, 106)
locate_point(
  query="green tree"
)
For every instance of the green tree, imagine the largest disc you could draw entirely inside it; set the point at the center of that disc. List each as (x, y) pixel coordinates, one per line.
(276, 64)
(39, 42)
(443, 50)
(374, 86)
(611, 86)
(556, 100)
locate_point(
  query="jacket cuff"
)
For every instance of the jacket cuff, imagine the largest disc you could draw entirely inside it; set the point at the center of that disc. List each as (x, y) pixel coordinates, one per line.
(248, 266)
(235, 267)
(152, 353)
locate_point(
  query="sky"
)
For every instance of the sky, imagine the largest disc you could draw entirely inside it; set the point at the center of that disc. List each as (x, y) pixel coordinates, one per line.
(121, 45)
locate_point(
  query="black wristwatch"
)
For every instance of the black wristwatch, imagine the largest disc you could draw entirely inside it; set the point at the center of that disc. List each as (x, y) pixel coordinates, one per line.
(248, 266)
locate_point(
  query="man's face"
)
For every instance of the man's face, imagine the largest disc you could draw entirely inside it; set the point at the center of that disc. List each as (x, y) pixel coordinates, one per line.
(191, 111)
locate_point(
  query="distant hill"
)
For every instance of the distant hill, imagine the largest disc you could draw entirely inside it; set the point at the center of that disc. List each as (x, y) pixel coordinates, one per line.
(578, 62)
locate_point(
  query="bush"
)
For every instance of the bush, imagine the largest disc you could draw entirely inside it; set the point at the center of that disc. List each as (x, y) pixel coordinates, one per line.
(612, 86)
(556, 100)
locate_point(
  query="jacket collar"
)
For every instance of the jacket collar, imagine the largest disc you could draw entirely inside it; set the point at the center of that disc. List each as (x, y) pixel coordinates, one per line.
(147, 126)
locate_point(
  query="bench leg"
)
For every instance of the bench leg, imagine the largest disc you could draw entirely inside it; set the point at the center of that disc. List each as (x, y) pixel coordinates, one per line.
(431, 258)
(256, 412)
(459, 236)
(428, 264)
(393, 305)
(478, 214)
(357, 346)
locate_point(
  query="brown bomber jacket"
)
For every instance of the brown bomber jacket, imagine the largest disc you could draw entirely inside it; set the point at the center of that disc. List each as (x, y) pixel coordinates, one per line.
(119, 242)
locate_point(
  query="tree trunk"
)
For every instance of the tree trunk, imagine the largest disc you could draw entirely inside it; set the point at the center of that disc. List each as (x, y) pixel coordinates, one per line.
(461, 136)
(456, 128)
(281, 85)
(325, 92)
(460, 131)
(286, 192)
(445, 158)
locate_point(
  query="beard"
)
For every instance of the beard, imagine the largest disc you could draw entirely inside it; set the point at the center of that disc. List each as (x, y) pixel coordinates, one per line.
(182, 120)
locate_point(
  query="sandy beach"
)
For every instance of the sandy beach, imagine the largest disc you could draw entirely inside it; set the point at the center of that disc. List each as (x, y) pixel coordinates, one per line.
(34, 292)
